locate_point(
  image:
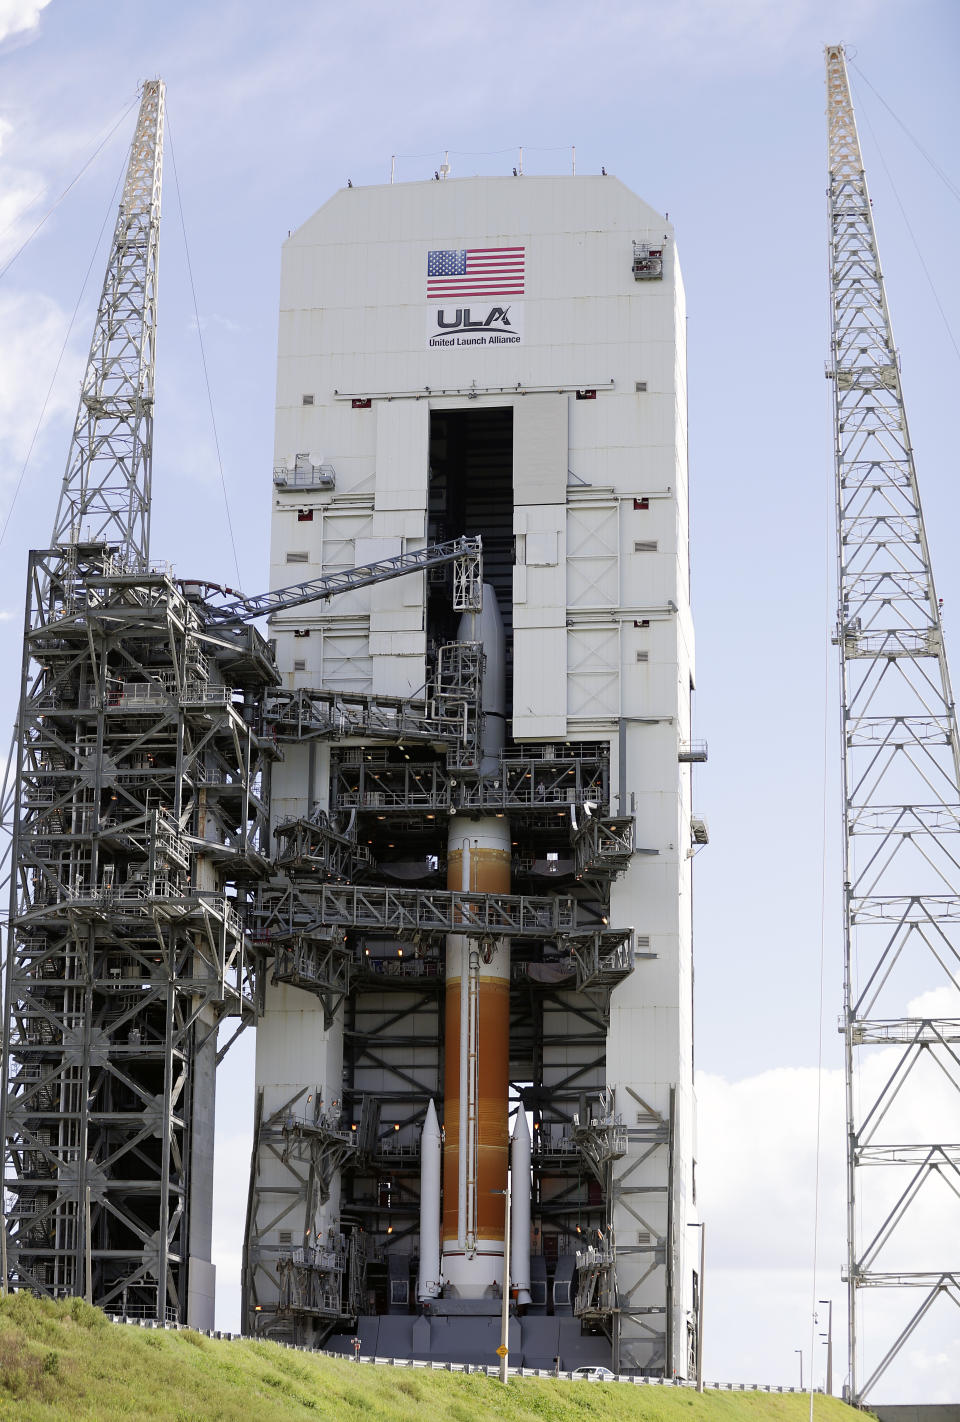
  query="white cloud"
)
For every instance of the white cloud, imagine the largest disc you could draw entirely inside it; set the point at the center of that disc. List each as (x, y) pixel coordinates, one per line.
(757, 1177)
(18, 16)
(32, 328)
(756, 1139)
(19, 190)
(938, 1002)
(232, 328)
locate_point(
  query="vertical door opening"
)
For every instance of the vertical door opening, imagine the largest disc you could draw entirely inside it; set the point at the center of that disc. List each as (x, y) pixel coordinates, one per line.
(471, 492)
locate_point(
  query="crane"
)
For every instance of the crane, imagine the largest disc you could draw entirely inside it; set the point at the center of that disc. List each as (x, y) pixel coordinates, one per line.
(901, 787)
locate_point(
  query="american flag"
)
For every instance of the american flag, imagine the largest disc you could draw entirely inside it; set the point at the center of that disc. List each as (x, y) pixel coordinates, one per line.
(477, 271)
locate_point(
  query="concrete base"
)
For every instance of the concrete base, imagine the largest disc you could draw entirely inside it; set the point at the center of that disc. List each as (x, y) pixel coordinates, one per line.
(534, 1342)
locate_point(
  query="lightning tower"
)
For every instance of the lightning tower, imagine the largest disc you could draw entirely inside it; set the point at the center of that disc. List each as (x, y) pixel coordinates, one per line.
(901, 794)
(106, 488)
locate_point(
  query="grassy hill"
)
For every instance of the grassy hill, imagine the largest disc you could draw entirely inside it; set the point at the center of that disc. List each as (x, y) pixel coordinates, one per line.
(67, 1361)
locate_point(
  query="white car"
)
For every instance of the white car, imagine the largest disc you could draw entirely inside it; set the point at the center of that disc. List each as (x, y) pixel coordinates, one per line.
(594, 1374)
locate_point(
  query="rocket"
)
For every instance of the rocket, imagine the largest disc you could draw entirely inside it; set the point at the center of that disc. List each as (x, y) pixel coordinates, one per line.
(477, 1048)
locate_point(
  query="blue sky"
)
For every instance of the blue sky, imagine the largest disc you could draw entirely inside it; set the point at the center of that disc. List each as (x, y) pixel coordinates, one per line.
(712, 112)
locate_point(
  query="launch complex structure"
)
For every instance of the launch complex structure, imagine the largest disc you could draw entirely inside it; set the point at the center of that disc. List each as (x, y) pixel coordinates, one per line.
(433, 833)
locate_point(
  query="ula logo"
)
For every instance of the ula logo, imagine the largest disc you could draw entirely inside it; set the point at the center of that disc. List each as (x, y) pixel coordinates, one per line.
(482, 324)
(498, 317)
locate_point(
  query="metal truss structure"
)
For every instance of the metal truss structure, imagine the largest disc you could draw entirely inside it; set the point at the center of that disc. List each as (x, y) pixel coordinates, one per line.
(311, 1279)
(601, 1137)
(332, 924)
(544, 780)
(446, 715)
(140, 813)
(106, 488)
(464, 553)
(901, 789)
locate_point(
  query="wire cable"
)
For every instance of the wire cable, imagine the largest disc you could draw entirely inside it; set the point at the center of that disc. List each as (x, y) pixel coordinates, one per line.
(203, 354)
(73, 182)
(913, 237)
(63, 348)
(948, 182)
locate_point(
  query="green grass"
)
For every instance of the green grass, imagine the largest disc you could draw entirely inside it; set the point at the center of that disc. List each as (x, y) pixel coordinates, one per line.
(67, 1361)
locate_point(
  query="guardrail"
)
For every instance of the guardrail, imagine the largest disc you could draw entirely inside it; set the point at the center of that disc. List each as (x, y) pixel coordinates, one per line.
(487, 1369)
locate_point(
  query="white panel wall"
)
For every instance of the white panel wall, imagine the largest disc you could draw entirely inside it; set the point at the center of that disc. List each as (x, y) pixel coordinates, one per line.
(539, 582)
(539, 618)
(397, 628)
(540, 449)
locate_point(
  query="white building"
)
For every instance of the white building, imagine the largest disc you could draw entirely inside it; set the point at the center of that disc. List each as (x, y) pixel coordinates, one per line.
(526, 383)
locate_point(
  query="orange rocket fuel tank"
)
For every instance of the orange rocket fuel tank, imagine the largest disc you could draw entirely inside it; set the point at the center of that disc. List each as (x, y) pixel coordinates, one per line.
(477, 1060)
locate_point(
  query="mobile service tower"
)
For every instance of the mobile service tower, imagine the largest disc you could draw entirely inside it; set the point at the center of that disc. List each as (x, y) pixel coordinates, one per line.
(481, 802)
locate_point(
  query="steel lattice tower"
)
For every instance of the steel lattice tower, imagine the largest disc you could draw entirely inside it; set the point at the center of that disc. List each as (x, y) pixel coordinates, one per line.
(106, 487)
(901, 792)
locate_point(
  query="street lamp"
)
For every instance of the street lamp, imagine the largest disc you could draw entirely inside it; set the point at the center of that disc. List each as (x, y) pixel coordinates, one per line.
(504, 1349)
(829, 1337)
(694, 1224)
(3, 1242)
(799, 1352)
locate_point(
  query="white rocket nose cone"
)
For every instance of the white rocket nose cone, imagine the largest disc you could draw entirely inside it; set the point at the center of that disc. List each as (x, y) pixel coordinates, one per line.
(431, 1126)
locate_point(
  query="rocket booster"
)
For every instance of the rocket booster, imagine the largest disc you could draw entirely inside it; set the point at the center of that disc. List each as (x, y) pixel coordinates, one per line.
(520, 1187)
(429, 1284)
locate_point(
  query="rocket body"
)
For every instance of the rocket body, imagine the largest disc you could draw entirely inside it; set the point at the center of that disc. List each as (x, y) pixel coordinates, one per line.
(476, 1071)
(477, 1046)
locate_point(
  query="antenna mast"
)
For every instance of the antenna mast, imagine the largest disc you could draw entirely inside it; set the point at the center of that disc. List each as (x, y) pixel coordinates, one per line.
(106, 487)
(901, 792)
